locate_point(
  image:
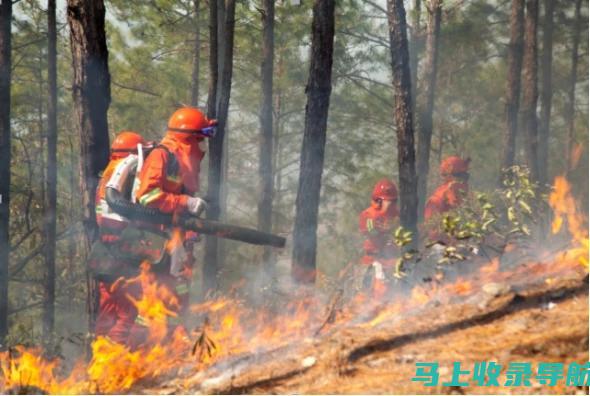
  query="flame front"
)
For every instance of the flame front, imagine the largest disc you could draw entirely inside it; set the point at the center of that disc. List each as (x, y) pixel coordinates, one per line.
(231, 327)
(565, 209)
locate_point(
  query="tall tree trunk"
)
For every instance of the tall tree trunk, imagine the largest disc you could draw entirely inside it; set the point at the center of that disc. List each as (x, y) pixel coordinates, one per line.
(319, 88)
(266, 130)
(546, 91)
(92, 96)
(570, 112)
(530, 89)
(209, 265)
(51, 189)
(5, 75)
(216, 144)
(196, 56)
(213, 61)
(515, 50)
(427, 108)
(277, 162)
(414, 45)
(403, 115)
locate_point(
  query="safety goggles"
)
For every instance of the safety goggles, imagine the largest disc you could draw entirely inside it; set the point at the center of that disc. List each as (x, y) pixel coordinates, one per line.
(380, 200)
(209, 131)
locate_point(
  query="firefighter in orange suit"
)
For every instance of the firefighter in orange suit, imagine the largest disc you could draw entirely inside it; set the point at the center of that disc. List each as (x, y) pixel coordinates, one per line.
(452, 192)
(169, 181)
(376, 224)
(110, 226)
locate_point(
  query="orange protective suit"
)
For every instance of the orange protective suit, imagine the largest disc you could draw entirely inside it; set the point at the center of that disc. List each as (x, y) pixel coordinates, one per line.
(110, 226)
(454, 171)
(167, 181)
(377, 221)
(376, 224)
(447, 196)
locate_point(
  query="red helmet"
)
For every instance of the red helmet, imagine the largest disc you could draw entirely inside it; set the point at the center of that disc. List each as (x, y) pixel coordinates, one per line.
(192, 120)
(454, 165)
(385, 189)
(125, 143)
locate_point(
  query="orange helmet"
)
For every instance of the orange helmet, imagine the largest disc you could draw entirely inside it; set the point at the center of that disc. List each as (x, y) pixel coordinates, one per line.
(454, 165)
(192, 120)
(125, 143)
(385, 189)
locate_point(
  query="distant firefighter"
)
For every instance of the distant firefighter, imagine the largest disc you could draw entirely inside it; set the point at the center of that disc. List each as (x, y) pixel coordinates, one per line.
(376, 224)
(452, 192)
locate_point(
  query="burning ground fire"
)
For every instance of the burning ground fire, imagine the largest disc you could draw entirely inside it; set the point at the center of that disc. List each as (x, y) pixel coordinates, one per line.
(231, 329)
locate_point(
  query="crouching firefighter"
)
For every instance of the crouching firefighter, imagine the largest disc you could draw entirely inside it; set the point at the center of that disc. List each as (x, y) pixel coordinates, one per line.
(376, 224)
(106, 261)
(168, 181)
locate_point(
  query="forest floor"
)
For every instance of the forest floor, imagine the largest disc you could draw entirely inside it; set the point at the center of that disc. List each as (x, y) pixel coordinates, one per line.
(528, 316)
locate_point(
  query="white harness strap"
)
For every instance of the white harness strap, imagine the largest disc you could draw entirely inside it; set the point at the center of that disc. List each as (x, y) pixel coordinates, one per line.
(118, 180)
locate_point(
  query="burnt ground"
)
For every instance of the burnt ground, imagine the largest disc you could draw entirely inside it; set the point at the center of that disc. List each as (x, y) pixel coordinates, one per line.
(545, 320)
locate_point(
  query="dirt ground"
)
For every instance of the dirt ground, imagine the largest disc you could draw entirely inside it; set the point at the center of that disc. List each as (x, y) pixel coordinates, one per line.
(543, 321)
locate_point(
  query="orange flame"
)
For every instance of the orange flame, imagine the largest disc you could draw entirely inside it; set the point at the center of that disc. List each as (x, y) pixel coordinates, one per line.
(234, 328)
(565, 209)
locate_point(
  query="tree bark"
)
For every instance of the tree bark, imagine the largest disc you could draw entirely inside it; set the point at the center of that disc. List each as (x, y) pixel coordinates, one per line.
(530, 89)
(210, 265)
(415, 44)
(213, 61)
(515, 50)
(570, 110)
(403, 115)
(216, 146)
(5, 78)
(427, 108)
(319, 88)
(196, 56)
(51, 189)
(266, 131)
(546, 92)
(92, 96)
(277, 150)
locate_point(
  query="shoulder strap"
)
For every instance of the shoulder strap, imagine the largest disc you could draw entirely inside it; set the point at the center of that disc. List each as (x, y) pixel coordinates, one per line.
(172, 165)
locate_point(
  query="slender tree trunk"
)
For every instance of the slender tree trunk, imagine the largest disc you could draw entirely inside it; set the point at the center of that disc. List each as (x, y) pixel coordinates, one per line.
(51, 190)
(530, 89)
(213, 61)
(415, 44)
(216, 145)
(546, 91)
(210, 265)
(196, 56)
(277, 161)
(5, 76)
(92, 96)
(427, 108)
(408, 187)
(515, 50)
(266, 130)
(570, 110)
(319, 88)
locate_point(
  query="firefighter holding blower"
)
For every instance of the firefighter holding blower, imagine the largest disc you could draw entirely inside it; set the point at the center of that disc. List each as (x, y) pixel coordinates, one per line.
(168, 181)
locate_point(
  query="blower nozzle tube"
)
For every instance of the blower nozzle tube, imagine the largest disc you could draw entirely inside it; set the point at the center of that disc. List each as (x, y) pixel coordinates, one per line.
(209, 227)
